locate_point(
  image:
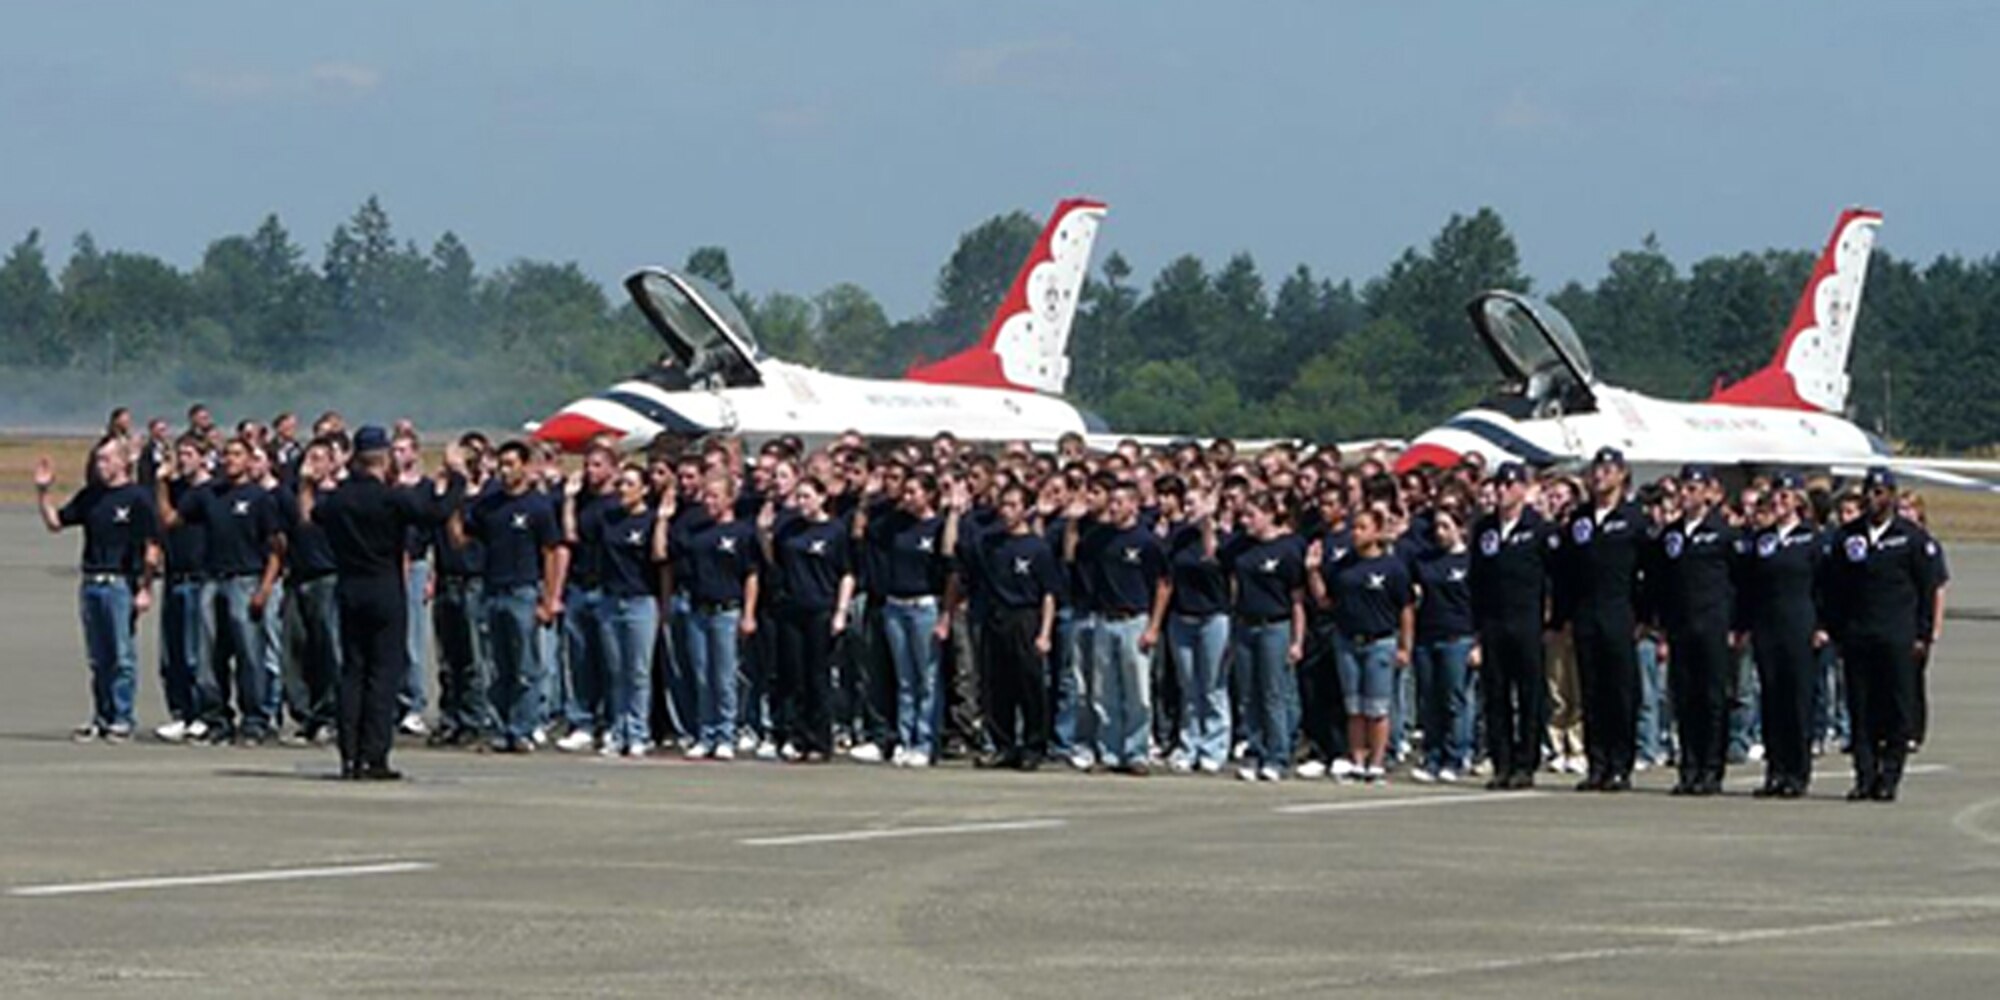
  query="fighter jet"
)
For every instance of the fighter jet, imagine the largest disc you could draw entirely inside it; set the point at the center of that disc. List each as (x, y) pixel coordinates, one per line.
(1552, 411)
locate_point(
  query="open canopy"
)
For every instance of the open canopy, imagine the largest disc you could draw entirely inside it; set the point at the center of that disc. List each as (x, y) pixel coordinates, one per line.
(701, 325)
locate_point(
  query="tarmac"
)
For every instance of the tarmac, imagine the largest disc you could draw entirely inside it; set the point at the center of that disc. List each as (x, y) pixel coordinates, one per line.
(217, 871)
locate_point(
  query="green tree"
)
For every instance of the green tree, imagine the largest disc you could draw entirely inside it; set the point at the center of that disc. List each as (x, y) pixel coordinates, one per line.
(711, 264)
(972, 283)
(852, 333)
(30, 308)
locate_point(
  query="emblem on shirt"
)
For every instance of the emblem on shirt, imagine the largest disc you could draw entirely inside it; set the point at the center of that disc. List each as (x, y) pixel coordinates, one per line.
(1675, 542)
(1269, 566)
(1930, 549)
(726, 543)
(1581, 530)
(1489, 543)
(1021, 565)
(520, 522)
(1856, 548)
(816, 547)
(1338, 554)
(240, 508)
(635, 537)
(1132, 555)
(1455, 575)
(926, 544)
(1767, 546)
(121, 515)
(1376, 581)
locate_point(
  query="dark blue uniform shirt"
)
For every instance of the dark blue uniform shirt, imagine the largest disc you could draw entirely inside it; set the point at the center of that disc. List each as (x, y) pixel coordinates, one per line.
(909, 555)
(1369, 595)
(1444, 608)
(720, 558)
(513, 530)
(1266, 574)
(812, 557)
(117, 524)
(1200, 588)
(1125, 567)
(622, 550)
(241, 522)
(1018, 570)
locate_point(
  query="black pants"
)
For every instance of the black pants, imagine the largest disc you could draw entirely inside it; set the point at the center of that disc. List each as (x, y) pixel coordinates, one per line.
(374, 659)
(1700, 668)
(1920, 694)
(1020, 706)
(1881, 705)
(1513, 694)
(964, 686)
(805, 673)
(1607, 672)
(1786, 664)
(1322, 710)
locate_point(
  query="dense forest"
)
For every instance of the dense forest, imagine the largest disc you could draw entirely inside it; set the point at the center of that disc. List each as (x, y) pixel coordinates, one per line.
(379, 325)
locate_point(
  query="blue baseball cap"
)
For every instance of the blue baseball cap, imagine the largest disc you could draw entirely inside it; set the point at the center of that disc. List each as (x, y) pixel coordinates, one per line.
(1879, 476)
(1697, 474)
(1788, 480)
(371, 438)
(1510, 473)
(1608, 455)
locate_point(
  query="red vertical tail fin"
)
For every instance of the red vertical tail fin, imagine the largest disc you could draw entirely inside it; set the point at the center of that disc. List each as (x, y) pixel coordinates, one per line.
(1809, 371)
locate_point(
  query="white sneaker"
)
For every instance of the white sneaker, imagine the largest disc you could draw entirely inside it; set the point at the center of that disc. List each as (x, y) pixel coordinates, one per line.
(198, 731)
(1246, 774)
(746, 742)
(901, 758)
(1483, 769)
(1375, 774)
(1448, 776)
(1341, 769)
(918, 759)
(86, 732)
(173, 732)
(789, 754)
(636, 751)
(577, 741)
(1423, 775)
(1575, 765)
(1240, 751)
(1180, 765)
(1756, 752)
(1082, 760)
(1209, 767)
(413, 725)
(1641, 766)
(609, 749)
(866, 753)
(725, 752)
(700, 751)
(767, 750)
(540, 736)
(1270, 774)
(1310, 769)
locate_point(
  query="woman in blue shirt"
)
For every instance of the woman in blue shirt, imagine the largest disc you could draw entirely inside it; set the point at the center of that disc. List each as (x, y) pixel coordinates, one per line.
(815, 583)
(1372, 608)
(631, 541)
(1267, 564)
(1198, 626)
(909, 554)
(1444, 651)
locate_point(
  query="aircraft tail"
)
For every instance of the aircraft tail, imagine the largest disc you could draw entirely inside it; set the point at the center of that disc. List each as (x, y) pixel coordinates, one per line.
(1809, 371)
(1026, 346)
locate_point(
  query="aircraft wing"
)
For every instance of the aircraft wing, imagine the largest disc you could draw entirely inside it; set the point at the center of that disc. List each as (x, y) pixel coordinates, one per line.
(1981, 475)
(1244, 446)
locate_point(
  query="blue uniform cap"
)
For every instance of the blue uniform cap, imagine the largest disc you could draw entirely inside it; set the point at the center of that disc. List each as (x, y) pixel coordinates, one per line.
(1879, 476)
(1789, 481)
(1608, 455)
(1697, 474)
(1510, 473)
(371, 438)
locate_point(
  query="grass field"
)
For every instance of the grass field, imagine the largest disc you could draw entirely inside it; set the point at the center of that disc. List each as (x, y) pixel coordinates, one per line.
(1956, 515)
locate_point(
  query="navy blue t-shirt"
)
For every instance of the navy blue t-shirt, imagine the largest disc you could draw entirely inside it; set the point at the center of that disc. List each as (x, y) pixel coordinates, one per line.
(241, 521)
(1125, 566)
(1200, 587)
(1052, 534)
(1018, 570)
(513, 530)
(187, 543)
(719, 558)
(1266, 574)
(1444, 608)
(909, 556)
(812, 557)
(1369, 595)
(584, 569)
(309, 556)
(117, 524)
(621, 544)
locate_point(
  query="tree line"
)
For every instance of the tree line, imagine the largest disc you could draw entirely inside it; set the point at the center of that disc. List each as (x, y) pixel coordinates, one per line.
(379, 323)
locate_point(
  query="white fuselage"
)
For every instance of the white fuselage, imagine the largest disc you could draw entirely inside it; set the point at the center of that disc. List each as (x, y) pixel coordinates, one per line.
(1658, 435)
(816, 405)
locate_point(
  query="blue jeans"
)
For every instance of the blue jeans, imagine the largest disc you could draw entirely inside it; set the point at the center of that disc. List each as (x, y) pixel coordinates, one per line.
(183, 630)
(1652, 686)
(627, 628)
(1403, 708)
(1443, 679)
(1076, 633)
(412, 697)
(1830, 698)
(464, 675)
(682, 714)
(315, 675)
(271, 652)
(711, 653)
(1124, 701)
(1367, 676)
(1271, 689)
(913, 648)
(238, 638)
(585, 689)
(1198, 645)
(518, 666)
(1746, 723)
(106, 611)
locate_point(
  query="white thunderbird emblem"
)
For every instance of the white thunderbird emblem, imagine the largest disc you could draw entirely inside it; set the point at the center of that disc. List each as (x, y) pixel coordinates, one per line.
(1376, 581)
(520, 522)
(240, 508)
(1021, 564)
(1270, 566)
(121, 515)
(726, 543)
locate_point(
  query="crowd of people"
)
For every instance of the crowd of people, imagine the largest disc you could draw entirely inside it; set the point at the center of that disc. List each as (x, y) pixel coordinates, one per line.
(1292, 614)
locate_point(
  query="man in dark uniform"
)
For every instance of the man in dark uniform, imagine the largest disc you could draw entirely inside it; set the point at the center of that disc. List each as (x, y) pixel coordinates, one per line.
(367, 523)
(1020, 577)
(1879, 588)
(1777, 605)
(121, 552)
(1696, 595)
(1509, 580)
(1597, 594)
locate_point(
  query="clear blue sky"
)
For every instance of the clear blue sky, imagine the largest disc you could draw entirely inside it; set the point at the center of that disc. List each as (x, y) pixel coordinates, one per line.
(854, 141)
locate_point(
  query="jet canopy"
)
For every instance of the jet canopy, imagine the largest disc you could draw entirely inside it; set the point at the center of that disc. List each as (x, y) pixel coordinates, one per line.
(1537, 350)
(703, 328)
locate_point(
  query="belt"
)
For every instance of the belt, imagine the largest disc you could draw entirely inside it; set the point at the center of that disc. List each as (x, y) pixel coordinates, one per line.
(714, 607)
(176, 579)
(1264, 619)
(104, 578)
(1119, 616)
(1363, 638)
(918, 601)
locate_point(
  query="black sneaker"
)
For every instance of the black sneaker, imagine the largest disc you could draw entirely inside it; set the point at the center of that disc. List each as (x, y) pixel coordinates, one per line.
(86, 733)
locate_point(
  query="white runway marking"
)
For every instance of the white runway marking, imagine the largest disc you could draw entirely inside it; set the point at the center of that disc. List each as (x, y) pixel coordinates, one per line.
(901, 832)
(221, 878)
(1412, 800)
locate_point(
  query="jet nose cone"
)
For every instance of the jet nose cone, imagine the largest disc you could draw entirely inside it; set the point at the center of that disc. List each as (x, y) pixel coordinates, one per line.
(1423, 453)
(573, 431)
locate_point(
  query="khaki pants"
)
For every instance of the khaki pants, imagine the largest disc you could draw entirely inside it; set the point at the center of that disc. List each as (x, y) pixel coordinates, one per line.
(1565, 698)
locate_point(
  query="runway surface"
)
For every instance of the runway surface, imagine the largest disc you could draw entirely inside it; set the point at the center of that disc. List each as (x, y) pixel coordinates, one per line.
(203, 872)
